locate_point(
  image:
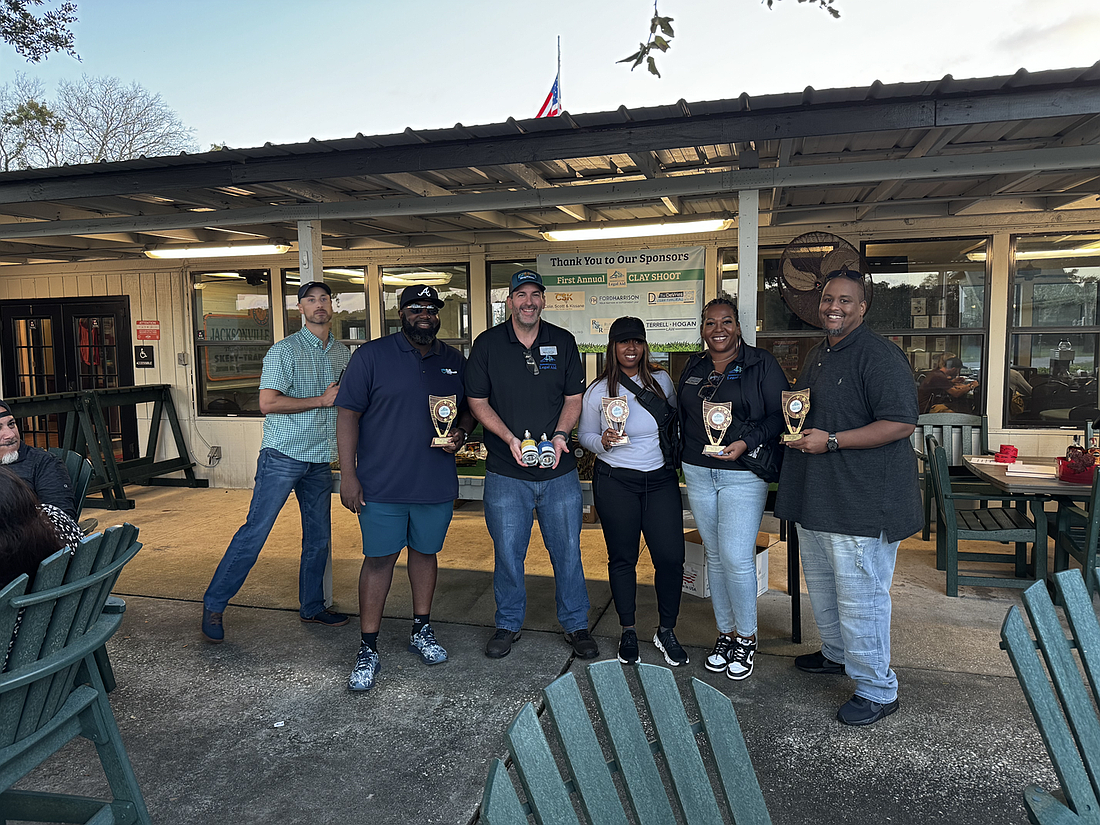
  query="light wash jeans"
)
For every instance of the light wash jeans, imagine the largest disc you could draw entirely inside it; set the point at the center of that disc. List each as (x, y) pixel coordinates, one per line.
(276, 476)
(849, 582)
(728, 506)
(509, 503)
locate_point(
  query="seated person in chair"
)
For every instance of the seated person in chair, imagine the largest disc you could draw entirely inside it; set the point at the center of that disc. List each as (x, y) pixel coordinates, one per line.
(942, 388)
(45, 473)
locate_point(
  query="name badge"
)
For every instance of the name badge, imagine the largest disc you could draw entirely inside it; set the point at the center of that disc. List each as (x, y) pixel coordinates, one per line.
(548, 350)
(695, 379)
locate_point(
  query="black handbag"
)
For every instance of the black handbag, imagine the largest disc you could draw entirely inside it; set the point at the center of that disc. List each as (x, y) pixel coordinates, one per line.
(668, 422)
(766, 460)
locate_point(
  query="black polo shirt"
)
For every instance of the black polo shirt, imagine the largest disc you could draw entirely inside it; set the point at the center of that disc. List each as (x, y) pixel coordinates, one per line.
(498, 371)
(389, 382)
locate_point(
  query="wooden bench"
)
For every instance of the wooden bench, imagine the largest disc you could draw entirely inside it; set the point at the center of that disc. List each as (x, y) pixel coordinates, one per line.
(1061, 702)
(51, 690)
(590, 779)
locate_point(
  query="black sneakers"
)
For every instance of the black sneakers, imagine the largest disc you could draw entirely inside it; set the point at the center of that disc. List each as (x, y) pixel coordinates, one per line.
(500, 645)
(817, 663)
(742, 658)
(583, 644)
(666, 642)
(719, 658)
(326, 617)
(212, 627)
(860, 711)
(628, 646)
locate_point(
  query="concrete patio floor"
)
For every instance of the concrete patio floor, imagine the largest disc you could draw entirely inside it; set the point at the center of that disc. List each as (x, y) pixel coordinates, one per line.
(262, 727)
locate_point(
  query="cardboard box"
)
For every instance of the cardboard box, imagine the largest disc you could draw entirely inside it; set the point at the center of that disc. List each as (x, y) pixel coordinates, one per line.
(588, 514)
(696, 578)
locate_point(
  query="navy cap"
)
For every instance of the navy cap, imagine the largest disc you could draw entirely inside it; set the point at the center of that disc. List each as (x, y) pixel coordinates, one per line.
(304, 288)
(525, 276)
(626, 328)
(420, 293)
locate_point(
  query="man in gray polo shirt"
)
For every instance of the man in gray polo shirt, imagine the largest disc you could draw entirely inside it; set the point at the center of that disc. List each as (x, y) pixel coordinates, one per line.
(850, 483)
(298, 389)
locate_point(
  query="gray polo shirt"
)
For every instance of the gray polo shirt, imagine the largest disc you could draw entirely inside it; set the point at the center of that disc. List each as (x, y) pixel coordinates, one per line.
(864, 378)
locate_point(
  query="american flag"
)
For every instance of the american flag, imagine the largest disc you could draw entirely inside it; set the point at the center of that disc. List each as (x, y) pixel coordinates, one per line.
(551, 107)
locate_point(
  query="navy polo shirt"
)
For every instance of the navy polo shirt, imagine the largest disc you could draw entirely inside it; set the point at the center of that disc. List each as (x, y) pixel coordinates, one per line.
(498, 371)
(389, 383)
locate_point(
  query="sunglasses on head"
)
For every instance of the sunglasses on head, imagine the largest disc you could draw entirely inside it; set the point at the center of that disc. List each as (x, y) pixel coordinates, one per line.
(532, 365)
(710, 386)
(413, 309)
(844, 272)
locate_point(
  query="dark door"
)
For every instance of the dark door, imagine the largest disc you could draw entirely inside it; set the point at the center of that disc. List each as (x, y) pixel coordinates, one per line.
(66, 345)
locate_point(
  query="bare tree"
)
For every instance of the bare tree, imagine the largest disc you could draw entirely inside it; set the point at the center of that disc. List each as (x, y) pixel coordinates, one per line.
(36, 37)
(27, 125)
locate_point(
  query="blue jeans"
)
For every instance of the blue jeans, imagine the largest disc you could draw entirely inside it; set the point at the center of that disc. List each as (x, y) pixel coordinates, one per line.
(849, 582)
(728, 506)
(276, 476)
(509, 503)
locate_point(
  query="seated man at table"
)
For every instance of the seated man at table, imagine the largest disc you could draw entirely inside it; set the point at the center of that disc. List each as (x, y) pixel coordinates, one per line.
(942, 388)
(45, 473)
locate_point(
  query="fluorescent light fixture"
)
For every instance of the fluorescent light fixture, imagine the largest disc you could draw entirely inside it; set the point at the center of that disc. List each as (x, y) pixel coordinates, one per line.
(637, 230)
(350, 273)
(729, 267)
(1038, 254)
(221, 251)
(413, 278)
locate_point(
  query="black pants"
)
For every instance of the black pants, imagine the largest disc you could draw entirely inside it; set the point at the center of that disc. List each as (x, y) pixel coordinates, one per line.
(630, 503)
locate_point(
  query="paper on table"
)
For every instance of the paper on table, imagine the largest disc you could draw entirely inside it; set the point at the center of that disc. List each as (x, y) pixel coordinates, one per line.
(981, 459)
(1031, 470)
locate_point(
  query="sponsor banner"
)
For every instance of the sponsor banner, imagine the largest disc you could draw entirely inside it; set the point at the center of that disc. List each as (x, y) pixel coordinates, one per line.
(586, 292)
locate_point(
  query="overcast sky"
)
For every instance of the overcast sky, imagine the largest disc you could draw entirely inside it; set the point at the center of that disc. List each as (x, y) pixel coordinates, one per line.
(245, 72)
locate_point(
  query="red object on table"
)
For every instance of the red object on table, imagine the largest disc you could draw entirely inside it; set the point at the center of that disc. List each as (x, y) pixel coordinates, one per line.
(1066, 474)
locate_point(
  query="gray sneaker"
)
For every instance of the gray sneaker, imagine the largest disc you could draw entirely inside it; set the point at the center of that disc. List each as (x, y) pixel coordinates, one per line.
(367, 665)
(424, 643)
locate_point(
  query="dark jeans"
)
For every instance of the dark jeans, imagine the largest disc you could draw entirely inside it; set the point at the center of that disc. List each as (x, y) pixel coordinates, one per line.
(631, 503)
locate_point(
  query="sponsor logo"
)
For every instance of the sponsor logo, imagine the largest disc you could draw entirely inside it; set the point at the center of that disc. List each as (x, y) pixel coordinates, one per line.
(448, 371)
(616, 277)
(671, 324)
(564, 300)
(672, 296)
(600, 326)
(616, 299)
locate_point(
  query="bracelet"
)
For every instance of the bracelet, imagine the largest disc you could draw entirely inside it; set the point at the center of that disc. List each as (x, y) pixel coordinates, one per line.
(562, 433)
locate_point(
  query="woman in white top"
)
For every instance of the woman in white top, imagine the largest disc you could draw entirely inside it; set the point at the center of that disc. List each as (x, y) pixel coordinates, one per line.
(634, 491)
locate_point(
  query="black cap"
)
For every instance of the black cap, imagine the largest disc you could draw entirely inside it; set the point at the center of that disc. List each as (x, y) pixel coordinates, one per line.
(626, 328)
(420, 293)
(525, 276)
(304, 288)
(5, 410)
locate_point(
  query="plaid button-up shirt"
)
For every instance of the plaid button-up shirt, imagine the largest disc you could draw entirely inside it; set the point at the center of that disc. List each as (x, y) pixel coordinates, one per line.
(301, 366)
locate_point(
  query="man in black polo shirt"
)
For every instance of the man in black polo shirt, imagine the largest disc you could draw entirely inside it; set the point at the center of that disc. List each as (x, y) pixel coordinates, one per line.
(402, 488)
(525, 376)
(850, 483)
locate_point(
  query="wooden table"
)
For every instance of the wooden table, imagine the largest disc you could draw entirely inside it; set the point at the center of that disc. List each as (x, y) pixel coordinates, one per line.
(998, 476)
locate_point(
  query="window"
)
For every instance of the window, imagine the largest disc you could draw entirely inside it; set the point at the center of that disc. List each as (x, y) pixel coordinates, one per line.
(349, 304)
(452, 283)
(232, 335)
(928, 298)
(1052, 374)
(728, 276)
(500, 278)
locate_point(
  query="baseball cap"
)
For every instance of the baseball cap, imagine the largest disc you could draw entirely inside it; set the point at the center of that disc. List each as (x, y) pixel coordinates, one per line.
(420, 293)
(626, 328)
(525, 276)
(304, 288)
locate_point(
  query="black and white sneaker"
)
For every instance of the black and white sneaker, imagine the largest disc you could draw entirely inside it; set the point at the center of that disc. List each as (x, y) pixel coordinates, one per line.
(719, 658)
(628, 647)
(742, 656)
(666, 642)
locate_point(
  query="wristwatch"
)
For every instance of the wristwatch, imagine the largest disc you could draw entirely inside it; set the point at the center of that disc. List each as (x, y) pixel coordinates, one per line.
(833, 445)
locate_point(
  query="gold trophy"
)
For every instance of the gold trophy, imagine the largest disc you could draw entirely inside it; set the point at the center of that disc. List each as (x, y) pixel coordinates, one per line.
(716, 417)
(616, 412)
(796, 406)
(444, 411)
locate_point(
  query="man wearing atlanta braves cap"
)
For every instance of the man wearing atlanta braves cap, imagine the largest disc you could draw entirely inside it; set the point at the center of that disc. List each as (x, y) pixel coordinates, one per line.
(298, 389)
(45, 474)
(401, 487)
(525, 375)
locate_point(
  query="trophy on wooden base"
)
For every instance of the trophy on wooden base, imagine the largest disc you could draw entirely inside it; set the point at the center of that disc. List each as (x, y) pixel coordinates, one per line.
(796, 406)
(444, 411)
(716, 417)
(615, 411)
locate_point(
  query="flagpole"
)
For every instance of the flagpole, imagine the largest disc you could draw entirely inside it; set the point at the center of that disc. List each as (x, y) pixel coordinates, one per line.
(559, 70)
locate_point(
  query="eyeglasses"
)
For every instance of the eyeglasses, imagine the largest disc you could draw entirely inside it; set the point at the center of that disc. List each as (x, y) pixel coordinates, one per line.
(412, 309)
(532, 366)
(707, 389)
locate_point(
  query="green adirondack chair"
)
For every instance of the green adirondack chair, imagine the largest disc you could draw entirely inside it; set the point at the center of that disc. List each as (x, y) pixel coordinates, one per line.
(1077, 536)
(591, 775)
(51, 691)
(991, 524)
(1061, 702)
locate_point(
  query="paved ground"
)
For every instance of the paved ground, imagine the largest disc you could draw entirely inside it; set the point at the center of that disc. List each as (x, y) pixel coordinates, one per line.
(261, 728)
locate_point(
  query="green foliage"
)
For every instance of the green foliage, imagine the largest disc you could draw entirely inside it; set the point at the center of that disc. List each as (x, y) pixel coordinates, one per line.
(659, 42)
(36, 37)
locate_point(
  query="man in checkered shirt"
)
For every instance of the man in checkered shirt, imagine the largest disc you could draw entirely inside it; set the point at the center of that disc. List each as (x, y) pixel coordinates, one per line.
(297, 391)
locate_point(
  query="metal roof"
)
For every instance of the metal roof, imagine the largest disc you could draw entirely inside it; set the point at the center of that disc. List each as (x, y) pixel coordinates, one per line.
(1025, 142)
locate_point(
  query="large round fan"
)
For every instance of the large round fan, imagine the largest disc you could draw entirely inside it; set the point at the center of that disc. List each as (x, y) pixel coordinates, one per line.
(806, 261)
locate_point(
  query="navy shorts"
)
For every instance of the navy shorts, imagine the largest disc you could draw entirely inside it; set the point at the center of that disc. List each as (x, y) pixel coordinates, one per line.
(389, 528)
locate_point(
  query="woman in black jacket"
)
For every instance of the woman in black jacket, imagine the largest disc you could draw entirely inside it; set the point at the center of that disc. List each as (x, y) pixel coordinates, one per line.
(727, 499)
